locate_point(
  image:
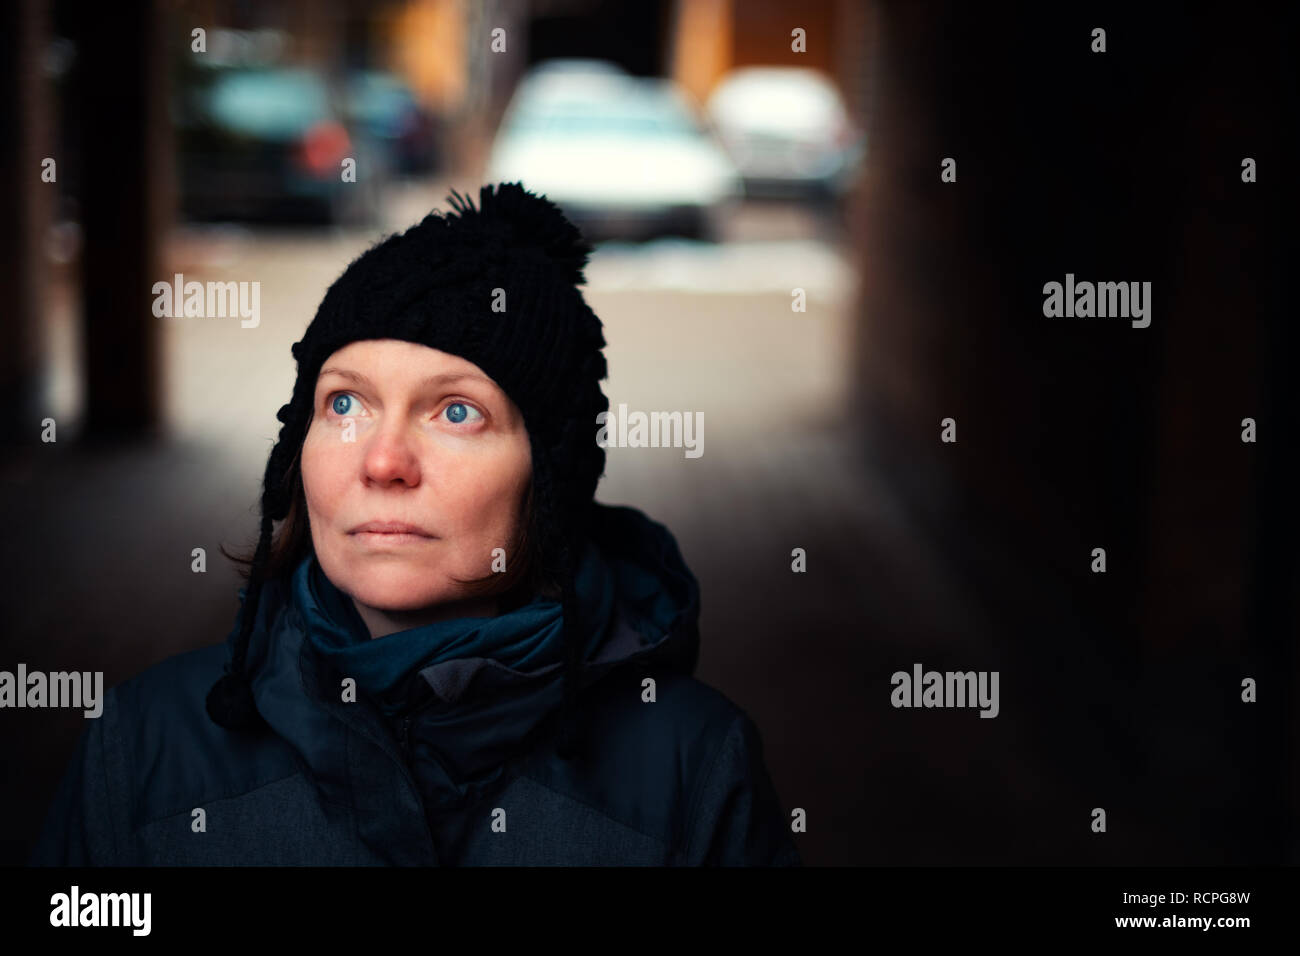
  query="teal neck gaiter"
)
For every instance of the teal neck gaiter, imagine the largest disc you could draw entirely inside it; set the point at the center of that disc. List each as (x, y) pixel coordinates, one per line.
(387, 669)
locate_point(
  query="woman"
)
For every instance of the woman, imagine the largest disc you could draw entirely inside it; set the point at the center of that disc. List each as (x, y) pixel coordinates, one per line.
(449, 653)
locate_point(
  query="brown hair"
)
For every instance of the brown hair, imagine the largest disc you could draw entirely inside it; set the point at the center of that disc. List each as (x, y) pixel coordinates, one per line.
(523, 580)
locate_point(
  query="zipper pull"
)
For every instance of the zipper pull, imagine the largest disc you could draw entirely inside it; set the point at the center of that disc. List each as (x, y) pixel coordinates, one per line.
(406, 737)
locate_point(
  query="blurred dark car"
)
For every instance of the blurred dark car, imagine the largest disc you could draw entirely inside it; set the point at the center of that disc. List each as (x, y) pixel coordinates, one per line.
(624, 157)
(386, 109)
(268, 144)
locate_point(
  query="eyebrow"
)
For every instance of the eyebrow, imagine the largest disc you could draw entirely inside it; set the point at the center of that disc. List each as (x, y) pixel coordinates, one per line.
(444, 378)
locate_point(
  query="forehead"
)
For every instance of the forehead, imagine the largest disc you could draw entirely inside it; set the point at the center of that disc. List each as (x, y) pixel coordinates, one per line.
(393, 360)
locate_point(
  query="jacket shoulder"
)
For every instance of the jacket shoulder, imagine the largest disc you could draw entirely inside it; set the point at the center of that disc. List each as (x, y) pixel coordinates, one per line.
(175, 755)
(669, 759)
(662, 694)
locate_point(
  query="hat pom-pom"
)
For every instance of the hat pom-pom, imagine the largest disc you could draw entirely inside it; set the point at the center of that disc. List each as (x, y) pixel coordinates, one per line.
(230, 703)
(520, 219)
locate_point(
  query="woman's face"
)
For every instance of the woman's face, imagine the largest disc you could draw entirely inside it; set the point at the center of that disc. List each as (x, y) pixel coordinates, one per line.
(415, 468)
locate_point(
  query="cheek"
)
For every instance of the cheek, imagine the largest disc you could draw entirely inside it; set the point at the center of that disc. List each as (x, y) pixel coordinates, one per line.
(324, 471)
(487, 500)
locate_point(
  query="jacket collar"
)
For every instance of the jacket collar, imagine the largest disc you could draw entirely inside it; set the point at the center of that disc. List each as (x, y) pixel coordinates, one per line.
(477, 713)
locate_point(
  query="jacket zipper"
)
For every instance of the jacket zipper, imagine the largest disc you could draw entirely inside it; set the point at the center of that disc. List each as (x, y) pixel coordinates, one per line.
(402, 766)
(404, 736)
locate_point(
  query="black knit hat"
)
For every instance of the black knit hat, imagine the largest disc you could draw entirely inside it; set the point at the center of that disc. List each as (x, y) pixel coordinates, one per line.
(498, 286)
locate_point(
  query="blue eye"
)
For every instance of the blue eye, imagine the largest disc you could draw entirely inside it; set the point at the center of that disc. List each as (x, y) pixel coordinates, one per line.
(342, 404)
(458, 412)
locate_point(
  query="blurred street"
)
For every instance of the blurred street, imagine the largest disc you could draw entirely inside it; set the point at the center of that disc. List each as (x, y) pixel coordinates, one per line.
(690, 325)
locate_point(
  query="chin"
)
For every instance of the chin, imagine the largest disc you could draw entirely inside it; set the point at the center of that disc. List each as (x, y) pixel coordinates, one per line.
(386, 587)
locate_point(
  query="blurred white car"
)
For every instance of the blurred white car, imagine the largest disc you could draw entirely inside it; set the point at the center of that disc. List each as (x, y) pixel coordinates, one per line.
(787, 131)
(623, 156)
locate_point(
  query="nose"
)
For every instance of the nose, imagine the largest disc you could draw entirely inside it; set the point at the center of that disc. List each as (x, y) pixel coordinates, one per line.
(391, 455)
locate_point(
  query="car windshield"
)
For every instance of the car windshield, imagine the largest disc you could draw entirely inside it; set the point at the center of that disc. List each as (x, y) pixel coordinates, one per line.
(606, 121)
(269, 103)
(657, 117)
(378, 99)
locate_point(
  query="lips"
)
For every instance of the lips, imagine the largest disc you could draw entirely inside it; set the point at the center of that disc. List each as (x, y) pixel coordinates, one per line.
(391, 528)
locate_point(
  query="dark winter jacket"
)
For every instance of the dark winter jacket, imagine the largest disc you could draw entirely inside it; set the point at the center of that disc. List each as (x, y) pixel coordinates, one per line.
(447, 762)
